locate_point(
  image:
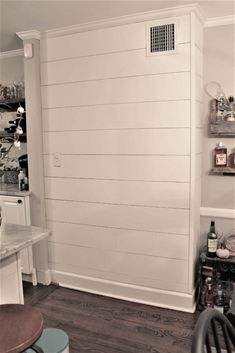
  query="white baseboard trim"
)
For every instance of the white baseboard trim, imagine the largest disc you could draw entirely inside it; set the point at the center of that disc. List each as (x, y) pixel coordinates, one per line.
(129, 292)
(217, 212)
(26, 277)
(44, 277)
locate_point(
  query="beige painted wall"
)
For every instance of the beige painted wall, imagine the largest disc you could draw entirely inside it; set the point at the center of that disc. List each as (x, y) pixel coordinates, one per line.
(219, 65)
(11, 69)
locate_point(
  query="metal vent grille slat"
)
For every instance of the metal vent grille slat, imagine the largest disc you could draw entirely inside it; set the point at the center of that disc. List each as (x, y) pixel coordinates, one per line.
(162, 38)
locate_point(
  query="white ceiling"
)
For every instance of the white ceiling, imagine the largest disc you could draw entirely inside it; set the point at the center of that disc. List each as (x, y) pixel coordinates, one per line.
(22, 15)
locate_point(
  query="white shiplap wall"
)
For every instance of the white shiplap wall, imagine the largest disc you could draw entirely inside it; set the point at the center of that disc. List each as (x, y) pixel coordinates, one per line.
(119, 204)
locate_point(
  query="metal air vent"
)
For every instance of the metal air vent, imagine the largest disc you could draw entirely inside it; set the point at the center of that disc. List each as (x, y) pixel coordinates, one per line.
(162, 38)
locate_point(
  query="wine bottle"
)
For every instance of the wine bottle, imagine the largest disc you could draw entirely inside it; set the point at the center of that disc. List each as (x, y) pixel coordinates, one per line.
(212, 241)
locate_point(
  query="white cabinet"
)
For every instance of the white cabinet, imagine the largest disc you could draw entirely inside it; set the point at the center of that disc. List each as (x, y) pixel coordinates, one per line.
(16, 210)
(11, 290)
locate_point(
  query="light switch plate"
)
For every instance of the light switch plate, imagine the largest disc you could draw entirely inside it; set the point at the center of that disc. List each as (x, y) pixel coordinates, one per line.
(57, 159)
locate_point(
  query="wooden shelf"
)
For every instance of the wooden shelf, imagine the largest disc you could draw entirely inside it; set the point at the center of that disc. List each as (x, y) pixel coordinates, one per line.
(11, 105)
(231, 259)
(222, 128)
(223, 170)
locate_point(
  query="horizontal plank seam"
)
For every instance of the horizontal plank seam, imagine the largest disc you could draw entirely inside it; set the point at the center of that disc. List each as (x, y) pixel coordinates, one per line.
(121, 273)
(122, 128)
(113, 227)
(93, 55)
(117, 251)
(117, 103)
(120, 154)
(123, 229)
(122, 180)
(114, 179)
(116, 204)
(113, 78)
(101, 54)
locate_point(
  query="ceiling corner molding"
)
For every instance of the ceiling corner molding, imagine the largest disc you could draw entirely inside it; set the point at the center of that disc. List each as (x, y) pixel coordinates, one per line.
(220, 21)
(11, 53)
(33, 34)
(217, 212)
(125, 20)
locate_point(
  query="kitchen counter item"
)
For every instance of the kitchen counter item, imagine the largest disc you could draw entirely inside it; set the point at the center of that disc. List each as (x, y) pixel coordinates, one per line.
(11, 177)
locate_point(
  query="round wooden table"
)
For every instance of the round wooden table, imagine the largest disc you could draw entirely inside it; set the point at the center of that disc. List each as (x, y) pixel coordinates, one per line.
(20, 327)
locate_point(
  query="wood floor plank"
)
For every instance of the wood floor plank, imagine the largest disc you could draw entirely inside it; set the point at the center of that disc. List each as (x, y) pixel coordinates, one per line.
(99, 324)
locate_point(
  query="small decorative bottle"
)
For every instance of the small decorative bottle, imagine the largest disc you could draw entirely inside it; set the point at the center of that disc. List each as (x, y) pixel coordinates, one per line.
(231, 111)
(220, 155)
(26, 184)
(21, 177)
(209, 299)
(220, 108)
(213, 115)
(219, 299)
(212, 241)
(204, 291)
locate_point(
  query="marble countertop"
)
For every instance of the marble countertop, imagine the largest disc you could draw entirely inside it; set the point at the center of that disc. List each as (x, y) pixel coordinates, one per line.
(14, 237)
(12, 190)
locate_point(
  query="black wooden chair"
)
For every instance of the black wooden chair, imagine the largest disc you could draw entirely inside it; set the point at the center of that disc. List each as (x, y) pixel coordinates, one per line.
(213, 333)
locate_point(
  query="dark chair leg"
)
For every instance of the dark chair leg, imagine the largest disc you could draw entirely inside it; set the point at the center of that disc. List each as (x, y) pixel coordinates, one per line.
(226, 338)
(215, 334)
(208, 346)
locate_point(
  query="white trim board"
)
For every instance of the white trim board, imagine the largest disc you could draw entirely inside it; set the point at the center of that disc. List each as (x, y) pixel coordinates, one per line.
(44, 277)
(117, 21)
(220, 21)
(32, 34)
(127, 19)
(133, 293)
(11, 53)
(217, 212)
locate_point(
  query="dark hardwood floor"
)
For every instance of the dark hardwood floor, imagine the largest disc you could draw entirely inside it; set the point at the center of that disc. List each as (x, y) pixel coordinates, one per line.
(99, 324)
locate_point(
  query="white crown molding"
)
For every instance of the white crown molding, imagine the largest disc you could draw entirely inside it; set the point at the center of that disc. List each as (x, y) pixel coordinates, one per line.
(217, 212)
(220, 21)
(118, 21)
(33, 34)
(11, 53)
